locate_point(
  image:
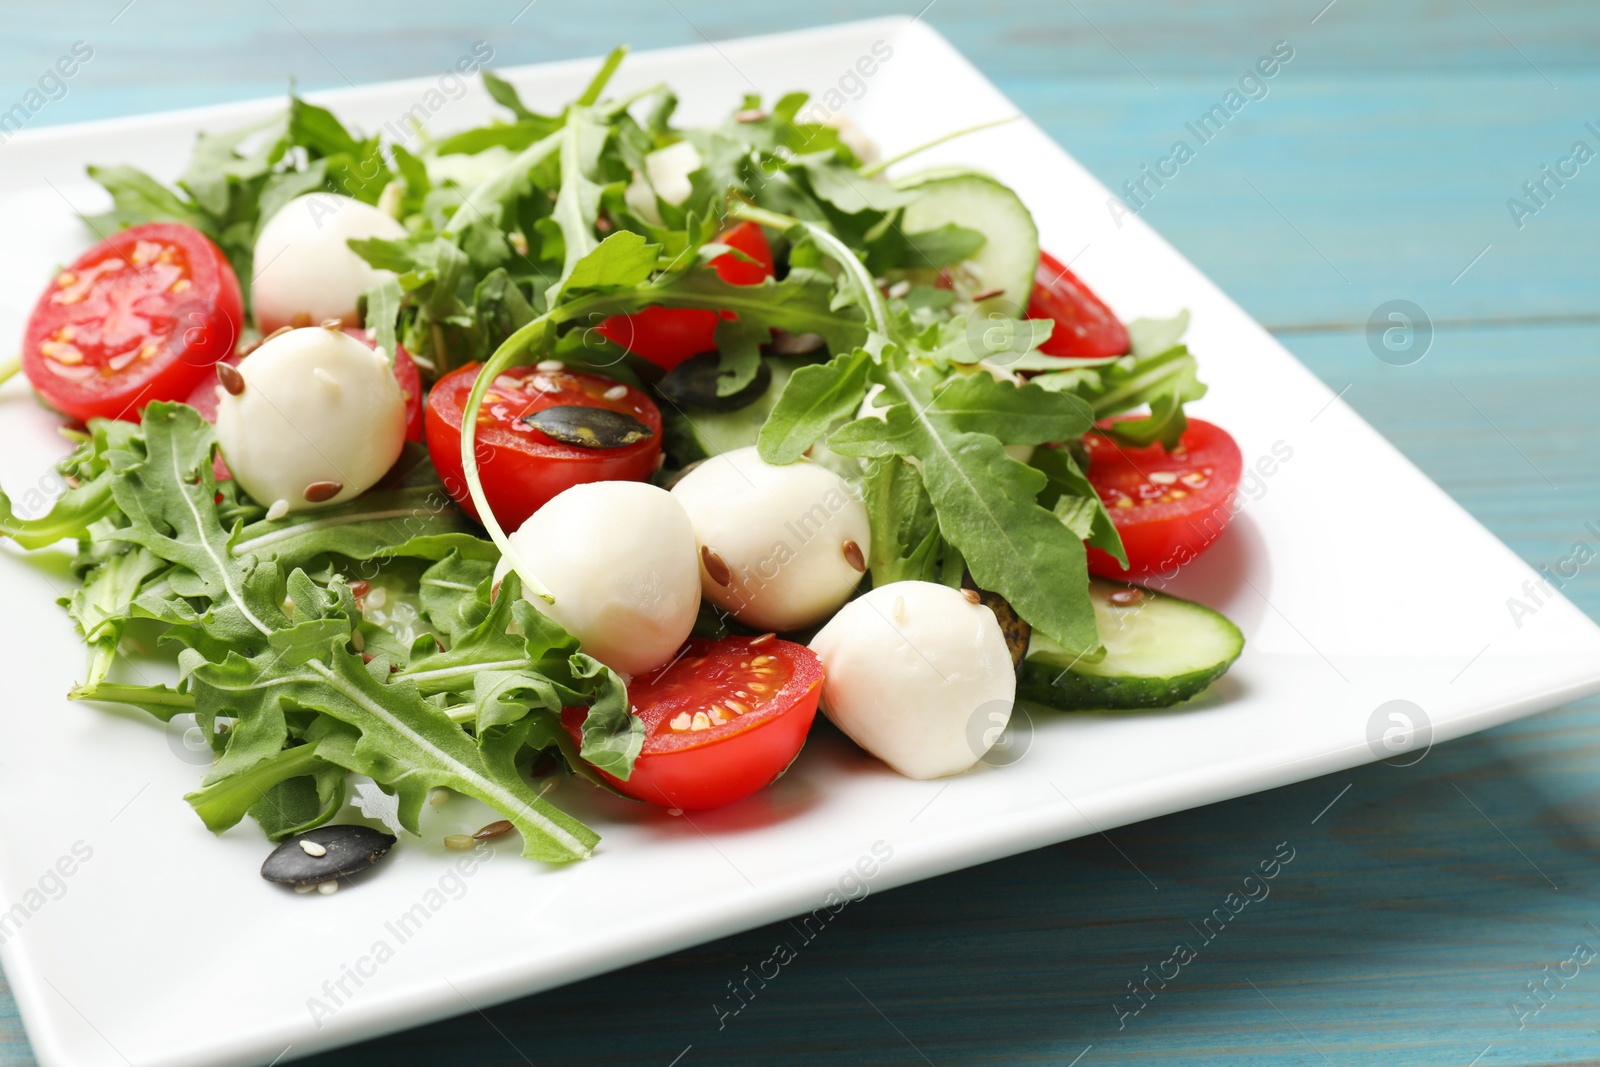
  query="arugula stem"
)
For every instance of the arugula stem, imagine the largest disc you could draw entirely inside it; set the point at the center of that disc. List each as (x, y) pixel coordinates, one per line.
(598, 84)
(882, 165)
(837, 250)
(9, 368)
(143, 695)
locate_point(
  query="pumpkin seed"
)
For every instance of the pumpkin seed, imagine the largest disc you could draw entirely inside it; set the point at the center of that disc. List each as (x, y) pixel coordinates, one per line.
(586, 427)
(345, 850)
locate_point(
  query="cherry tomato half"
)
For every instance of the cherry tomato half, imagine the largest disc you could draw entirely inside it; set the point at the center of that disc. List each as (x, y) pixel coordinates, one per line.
(668, 336)
(1168, 506)
(141, 316)
(1085, 327)
(721, 721)
(521, 466)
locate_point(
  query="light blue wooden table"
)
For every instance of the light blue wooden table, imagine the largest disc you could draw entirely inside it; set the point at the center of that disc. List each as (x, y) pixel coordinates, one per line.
(1422, 902)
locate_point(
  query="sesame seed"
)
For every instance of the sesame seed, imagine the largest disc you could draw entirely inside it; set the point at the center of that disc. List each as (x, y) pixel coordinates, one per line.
(749, 114)
(311, 848)
(328, 889)
(899, 609)
(972, 596)
(437, 797)
(550, 365)
(304, 888)
(616, 392)
(377, 597)
(372, 334)
(321, 374)
(899, 289)
(278, 510)
(333, 324)
(357, 641)
(1124, 598)
(461, 841)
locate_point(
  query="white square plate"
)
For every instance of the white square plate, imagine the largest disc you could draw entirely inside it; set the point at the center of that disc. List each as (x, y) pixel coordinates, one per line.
(1345, 607)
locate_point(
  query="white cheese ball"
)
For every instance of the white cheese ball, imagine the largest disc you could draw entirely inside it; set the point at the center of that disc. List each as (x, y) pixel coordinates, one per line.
(305, 272)
(666, 174)
(619, 558)
(919, 676)
(781, 547)
(320, 419)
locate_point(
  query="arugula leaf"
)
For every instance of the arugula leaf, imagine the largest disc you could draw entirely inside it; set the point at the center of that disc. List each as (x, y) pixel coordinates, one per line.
(1069, 495)
(578, 202)
(986, 501)
(417, 522)
(905, 528)
(222, 803)
(814, 399)
(167, 490)
(739, 343)
(533, 665)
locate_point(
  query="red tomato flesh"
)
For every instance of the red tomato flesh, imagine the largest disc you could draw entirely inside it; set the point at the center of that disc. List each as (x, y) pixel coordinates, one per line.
(1085, 327)
(520, 467)
(1168, 506)
(668, 336)
(141, 316)
(764, 692)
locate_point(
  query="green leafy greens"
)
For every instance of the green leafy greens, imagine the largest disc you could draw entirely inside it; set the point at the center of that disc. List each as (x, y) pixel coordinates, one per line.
(524, 236)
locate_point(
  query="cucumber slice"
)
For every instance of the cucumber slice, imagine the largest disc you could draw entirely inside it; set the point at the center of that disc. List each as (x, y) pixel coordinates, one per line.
(1160, 651)
(703, 434)
(1010, 253)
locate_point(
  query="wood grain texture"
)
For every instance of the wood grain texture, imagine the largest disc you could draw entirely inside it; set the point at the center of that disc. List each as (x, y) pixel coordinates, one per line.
(1378, 166)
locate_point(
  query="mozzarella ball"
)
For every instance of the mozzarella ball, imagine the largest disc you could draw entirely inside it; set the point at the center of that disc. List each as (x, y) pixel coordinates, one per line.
(781, 547)
(918, 675)
(666, 174)
(305, 272)
(318, 420)
(619, 559)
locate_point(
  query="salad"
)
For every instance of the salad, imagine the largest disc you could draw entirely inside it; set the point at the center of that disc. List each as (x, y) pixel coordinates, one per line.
(584, 443)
